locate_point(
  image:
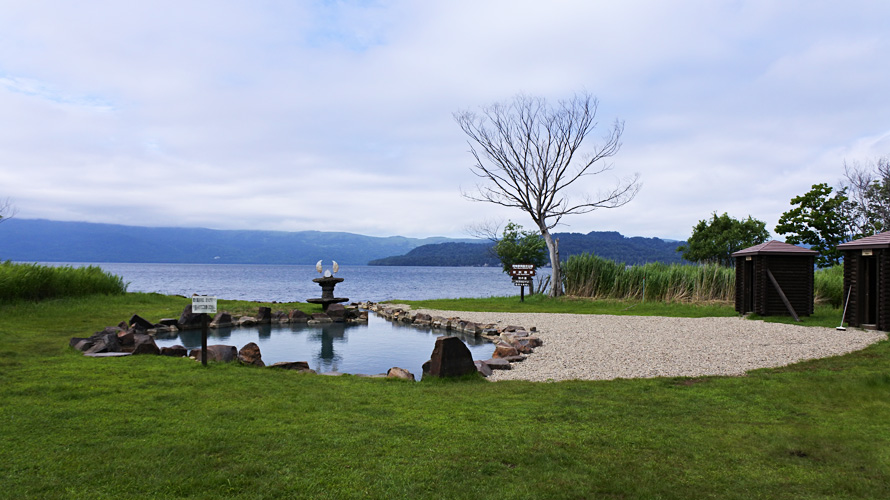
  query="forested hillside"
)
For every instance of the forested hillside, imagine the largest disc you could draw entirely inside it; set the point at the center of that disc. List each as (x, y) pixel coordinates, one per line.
(607, 244)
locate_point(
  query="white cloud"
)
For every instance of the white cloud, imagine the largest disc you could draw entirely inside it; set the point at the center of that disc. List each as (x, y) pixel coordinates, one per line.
(338, 115)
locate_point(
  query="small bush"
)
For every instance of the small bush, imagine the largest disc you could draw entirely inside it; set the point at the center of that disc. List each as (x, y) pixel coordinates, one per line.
(35, 282)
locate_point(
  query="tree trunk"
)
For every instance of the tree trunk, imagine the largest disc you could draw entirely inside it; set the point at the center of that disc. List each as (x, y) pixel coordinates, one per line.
(555, 274)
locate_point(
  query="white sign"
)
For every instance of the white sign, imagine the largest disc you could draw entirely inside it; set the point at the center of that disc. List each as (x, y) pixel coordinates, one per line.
(204, 304)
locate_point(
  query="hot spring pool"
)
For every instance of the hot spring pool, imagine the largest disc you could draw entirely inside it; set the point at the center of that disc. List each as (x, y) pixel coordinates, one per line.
(347, 348)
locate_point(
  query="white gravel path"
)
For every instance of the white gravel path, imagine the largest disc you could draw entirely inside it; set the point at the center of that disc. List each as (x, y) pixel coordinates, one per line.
(601, 347)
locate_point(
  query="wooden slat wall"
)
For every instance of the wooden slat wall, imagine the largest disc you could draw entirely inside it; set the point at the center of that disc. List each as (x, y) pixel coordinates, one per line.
(883, 262)
(851, 266)
(794, 274)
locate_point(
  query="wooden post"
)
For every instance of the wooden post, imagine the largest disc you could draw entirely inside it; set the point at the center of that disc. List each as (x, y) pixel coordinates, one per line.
(782, 295)
(204, 319)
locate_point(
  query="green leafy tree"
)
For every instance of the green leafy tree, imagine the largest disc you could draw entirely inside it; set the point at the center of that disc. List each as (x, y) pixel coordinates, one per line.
(717, 240)
(819, 220)
(520, 247)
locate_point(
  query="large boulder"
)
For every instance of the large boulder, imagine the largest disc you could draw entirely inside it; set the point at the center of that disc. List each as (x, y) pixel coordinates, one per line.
(145, 344)
(189, 320)
(451, 358)
(176, 351)
(104, 342)
(503, 350)
(140, 323)
(483, 368)
(337, 313)
(218, 352)
(264, 315)
(298, 316)
(250, 355)
(300, 366)
(396, 372)
(221, 320)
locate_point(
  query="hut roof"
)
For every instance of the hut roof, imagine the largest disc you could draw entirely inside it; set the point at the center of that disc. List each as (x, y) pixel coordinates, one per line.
(880, 240)
(774, 248)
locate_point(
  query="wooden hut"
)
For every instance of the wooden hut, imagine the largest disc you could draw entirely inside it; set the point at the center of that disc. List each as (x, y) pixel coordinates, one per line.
(774, 279)
(867, 281)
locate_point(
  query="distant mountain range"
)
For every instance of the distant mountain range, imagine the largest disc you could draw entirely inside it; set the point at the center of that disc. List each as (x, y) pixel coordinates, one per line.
(607, 244)
(36, 240)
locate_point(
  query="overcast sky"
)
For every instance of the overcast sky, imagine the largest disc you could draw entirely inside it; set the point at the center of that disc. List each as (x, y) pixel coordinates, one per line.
(338, 115)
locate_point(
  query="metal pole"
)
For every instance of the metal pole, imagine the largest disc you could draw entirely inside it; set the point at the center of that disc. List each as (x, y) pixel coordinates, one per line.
(522, 293)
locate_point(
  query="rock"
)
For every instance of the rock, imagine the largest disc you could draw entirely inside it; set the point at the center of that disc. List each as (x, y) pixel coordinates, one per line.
(300, 366)
(128, 338)
(176, 351)
(422, 319)
(318, 318)
(81, 344)
(515, 359)
(264, 315)
(140, 323)
(218, 352)
(483, 368)
(298, 316)
(337, 313)
(503, 350)
(450, 358)
(250, 355)
(221, 320)
(280, 317)
(498, 364)
(246, 321)
(169, 322)
(189, 320)
(396, 372)
(440, 323)
(145, 344)
(104, 342)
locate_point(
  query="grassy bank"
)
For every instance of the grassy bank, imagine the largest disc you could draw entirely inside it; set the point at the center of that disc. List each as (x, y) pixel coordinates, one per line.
(19, 281)
(154, 427)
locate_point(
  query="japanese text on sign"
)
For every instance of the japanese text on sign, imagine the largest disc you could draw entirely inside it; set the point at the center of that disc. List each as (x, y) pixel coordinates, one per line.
(205, 305)
(522, 270)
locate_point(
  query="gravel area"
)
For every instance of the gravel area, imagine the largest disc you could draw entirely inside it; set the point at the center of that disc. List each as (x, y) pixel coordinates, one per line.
(600, 347)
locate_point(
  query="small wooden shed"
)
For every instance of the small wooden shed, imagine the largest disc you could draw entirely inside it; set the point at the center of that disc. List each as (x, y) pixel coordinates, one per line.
(867, 281)
(774, 279)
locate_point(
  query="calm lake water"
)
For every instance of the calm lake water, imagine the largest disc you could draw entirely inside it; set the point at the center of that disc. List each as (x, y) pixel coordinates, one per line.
(294, 283)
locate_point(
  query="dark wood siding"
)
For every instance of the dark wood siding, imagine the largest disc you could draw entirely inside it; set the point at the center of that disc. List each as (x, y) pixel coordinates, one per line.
(794, 273)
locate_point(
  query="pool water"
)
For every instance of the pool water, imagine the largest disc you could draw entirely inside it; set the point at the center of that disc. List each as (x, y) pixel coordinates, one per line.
(336, 347)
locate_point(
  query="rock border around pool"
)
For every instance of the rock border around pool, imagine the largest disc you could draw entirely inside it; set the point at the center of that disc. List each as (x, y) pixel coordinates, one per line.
(512, 343)
(136, 336)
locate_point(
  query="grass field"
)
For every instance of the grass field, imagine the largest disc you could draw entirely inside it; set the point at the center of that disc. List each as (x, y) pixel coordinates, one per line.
(156, 427)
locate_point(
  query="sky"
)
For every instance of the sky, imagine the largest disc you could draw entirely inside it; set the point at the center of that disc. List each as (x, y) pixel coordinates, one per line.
(339, 115)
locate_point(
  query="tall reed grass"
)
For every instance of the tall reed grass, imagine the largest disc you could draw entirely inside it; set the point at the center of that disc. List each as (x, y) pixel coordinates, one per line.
(34, 282)
(595, 277)
(828, 286)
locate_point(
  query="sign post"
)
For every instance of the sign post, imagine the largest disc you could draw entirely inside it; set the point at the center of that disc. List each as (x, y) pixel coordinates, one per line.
(204, 305)
(522, 277)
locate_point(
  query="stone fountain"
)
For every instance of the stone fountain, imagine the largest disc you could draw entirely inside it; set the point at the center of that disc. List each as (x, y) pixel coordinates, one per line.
(327, 283)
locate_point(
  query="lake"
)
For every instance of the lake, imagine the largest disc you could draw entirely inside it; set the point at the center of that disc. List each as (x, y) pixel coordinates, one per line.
(282, 283)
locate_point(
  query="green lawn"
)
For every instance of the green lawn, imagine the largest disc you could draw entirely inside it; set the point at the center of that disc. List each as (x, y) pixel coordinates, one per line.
(137, 427)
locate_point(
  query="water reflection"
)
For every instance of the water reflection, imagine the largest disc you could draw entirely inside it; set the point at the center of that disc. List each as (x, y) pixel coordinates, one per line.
(368, 349)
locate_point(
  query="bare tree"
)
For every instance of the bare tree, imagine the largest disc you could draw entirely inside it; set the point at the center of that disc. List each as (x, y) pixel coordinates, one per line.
(530, 154)
(868, 189)
(7, 211)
